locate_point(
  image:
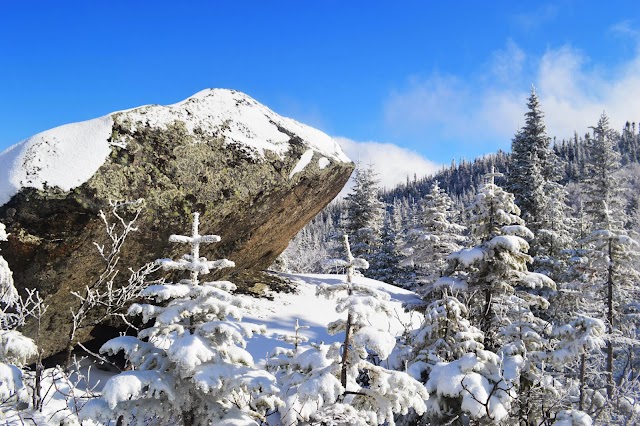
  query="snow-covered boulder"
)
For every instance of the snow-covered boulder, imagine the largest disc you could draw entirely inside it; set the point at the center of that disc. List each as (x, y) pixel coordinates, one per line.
(256, 178)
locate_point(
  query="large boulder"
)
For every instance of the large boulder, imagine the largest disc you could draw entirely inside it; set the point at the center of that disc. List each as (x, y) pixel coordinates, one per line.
(255, 177)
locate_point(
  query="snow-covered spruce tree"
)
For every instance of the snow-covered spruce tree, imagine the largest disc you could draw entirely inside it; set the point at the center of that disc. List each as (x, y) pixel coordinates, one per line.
(496, 268)
(529, 157)
(385, 262)
(503, 379)
(553, 237)
(15, 348)
(578, 335)
(445, 335)
(365, 214)
(576, 342)
(189, 366)
(612, 252)
(433, 236)
(371, 394)
(533, 179)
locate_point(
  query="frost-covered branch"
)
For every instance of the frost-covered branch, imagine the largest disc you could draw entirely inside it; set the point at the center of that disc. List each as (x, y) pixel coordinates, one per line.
(103, 298)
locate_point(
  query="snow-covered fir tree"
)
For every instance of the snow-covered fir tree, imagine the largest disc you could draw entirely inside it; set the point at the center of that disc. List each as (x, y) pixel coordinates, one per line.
(445, 335)
(308, 377)
(554, 236)
(576, 342)
(371, 394)
(493, 281)
(365, 213)
(385, 263)
(433, 236)
(613, 254)
(604, 202)
(529, 160)
(189, 365)
(534, 172)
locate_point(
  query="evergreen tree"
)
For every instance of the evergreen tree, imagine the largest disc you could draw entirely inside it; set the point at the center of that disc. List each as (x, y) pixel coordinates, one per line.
(308, 377)
(189, 365)
(433, 236)
(445, 335)
(533, 179)
(372, 394)
(612, 252)
(493, 280)
(365, 214)
(554, 236)
(602, 188)
(385, 263)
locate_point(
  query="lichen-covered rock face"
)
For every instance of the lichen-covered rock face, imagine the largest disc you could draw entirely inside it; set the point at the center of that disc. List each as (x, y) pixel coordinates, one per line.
(255, 177)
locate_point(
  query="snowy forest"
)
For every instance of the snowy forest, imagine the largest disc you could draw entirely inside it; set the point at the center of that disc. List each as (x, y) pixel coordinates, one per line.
(519, 273)
(527, 265)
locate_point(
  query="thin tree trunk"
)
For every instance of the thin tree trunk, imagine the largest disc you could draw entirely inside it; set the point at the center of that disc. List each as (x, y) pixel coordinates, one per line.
(610, 320)
(345, 352)
(486, 319)
(583, 368)
(37, 391)
(188, 419)
(69, 349)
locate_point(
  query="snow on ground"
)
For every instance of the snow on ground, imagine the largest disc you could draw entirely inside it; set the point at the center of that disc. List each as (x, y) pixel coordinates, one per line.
(316, 312)
(67, 156)
(279, 316)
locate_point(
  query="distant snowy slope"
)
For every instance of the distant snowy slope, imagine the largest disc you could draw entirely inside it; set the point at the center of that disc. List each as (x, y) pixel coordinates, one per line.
(67, 156)
(316, 312)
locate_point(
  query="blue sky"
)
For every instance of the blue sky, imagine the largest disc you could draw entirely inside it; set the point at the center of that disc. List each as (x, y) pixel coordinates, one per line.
(438, 80)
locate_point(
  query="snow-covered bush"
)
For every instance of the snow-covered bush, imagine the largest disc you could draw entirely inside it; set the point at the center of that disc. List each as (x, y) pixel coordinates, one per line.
(474, 385)
(308, 379)
(572, 418)
(15, 348)
(190, 365)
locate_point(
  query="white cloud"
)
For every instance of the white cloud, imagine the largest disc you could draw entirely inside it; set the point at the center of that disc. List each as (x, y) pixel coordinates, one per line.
(507, 62)
(392, 162)
(485, 111)
(626, 29)
(536, 18)
(574, 94)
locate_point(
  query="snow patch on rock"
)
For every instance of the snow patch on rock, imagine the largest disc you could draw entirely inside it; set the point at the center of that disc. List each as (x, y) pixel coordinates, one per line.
(305, 159)
(66, 157)
(323, 162)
